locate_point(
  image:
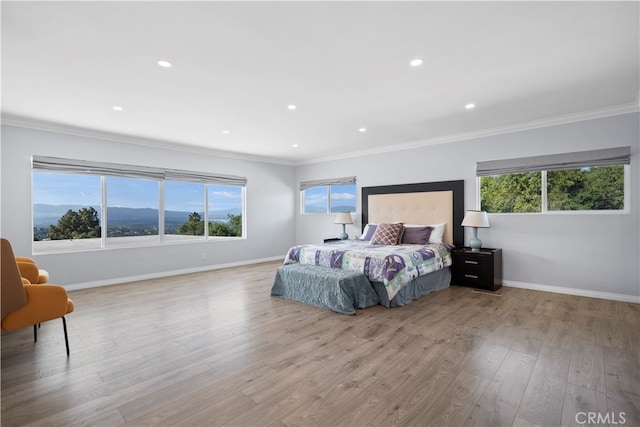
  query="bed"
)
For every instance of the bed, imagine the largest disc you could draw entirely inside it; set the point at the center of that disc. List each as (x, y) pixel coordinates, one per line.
(395, 274)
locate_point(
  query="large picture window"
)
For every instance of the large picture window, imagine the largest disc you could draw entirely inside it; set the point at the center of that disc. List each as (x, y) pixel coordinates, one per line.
(584, 181)
(328, 196)
(79, 205)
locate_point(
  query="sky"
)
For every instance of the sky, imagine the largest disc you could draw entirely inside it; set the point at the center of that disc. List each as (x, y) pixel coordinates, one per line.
(69, 189)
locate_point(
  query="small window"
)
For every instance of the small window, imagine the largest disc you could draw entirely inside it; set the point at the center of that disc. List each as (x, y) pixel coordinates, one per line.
(329, 199)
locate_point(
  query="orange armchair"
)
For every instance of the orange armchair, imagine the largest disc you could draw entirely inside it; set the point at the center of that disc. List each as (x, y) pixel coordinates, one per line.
(30, 271)
(24, 304)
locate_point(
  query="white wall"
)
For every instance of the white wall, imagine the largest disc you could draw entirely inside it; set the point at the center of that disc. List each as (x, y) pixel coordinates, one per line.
(592, 254)
(585, 254)
(270, 209)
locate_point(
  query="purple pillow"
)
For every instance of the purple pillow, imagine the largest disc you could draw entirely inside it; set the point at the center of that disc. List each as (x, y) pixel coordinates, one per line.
(371, 228)
(416, 235)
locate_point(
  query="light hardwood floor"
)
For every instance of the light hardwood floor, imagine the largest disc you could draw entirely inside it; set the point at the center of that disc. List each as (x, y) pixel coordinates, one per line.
(215, 349)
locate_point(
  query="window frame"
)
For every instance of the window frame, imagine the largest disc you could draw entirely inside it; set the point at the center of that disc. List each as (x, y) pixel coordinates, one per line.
(167, 175)
(328, 204)
(544, 208)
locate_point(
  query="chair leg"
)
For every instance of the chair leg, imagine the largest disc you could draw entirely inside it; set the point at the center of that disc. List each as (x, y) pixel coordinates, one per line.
(35, 333)
(66, 339)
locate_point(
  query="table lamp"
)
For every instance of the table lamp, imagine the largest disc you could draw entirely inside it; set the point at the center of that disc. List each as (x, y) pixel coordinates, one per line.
(475, 219)
(343, 218)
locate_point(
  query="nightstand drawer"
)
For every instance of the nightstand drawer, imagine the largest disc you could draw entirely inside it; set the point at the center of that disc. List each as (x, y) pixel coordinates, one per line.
(470, 277)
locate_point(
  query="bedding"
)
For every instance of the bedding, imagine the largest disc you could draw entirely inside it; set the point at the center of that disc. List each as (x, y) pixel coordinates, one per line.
(418, 287)
(337, 290)
(394, 266)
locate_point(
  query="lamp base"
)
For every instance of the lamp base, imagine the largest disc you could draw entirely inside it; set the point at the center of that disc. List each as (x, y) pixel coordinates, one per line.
(343, 235)
(474, 243)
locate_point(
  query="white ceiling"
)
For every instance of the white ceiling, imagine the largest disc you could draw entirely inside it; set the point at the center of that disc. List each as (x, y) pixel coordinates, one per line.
(345, 65)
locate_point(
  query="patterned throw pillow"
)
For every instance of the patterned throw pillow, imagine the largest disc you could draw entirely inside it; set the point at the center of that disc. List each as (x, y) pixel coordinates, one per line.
(386, 234)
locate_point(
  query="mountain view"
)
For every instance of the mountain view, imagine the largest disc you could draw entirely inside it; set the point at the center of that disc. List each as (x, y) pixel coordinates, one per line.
(144, 220)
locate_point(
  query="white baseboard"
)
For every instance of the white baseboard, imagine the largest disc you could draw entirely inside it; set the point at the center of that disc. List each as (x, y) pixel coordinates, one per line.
(510, 283)
(573, 291)
(120, 280)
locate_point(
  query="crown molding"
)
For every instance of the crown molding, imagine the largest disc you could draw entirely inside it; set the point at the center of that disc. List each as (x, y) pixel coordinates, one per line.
(29, 123)
(616, 110)
(35, 124)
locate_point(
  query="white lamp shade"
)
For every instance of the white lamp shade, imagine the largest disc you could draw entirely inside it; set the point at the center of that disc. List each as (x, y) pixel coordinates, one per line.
(476, 219)
(343, 218)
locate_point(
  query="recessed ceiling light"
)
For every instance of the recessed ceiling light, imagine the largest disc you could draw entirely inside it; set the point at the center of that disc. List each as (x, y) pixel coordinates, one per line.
(416, 62)
(226, 132)
(117, 108)
(291, 107)
(164, 64)
(470, 106)
(295, 145)
(362, 130)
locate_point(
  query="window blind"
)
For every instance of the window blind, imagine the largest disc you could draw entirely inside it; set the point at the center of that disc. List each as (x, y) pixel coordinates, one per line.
(208, 178)
(55, 164)
(575, 160)
(326, 182)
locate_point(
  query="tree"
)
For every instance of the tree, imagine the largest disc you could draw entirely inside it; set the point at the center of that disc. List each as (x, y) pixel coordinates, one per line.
(587, 188)
(235, 222)
(193, 227)
(518, 192)
(83, 224)
(597, 188)
(233, 227)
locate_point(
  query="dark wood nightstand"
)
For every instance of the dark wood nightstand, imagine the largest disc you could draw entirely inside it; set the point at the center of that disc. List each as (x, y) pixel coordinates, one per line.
(332, 239)
(479, 269)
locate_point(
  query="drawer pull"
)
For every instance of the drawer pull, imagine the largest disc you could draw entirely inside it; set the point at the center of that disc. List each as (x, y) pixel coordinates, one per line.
(470, 262)
(471, 276)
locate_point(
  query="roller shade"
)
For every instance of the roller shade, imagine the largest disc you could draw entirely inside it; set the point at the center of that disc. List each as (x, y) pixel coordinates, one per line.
(55, 164)
(326, 182)
(179, 175)
(575, 160)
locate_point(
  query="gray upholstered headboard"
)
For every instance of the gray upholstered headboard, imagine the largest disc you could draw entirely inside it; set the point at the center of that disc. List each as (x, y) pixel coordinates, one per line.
(421, 203)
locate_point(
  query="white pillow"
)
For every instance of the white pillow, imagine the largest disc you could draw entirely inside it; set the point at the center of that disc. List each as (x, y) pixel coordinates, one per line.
(436, 235)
